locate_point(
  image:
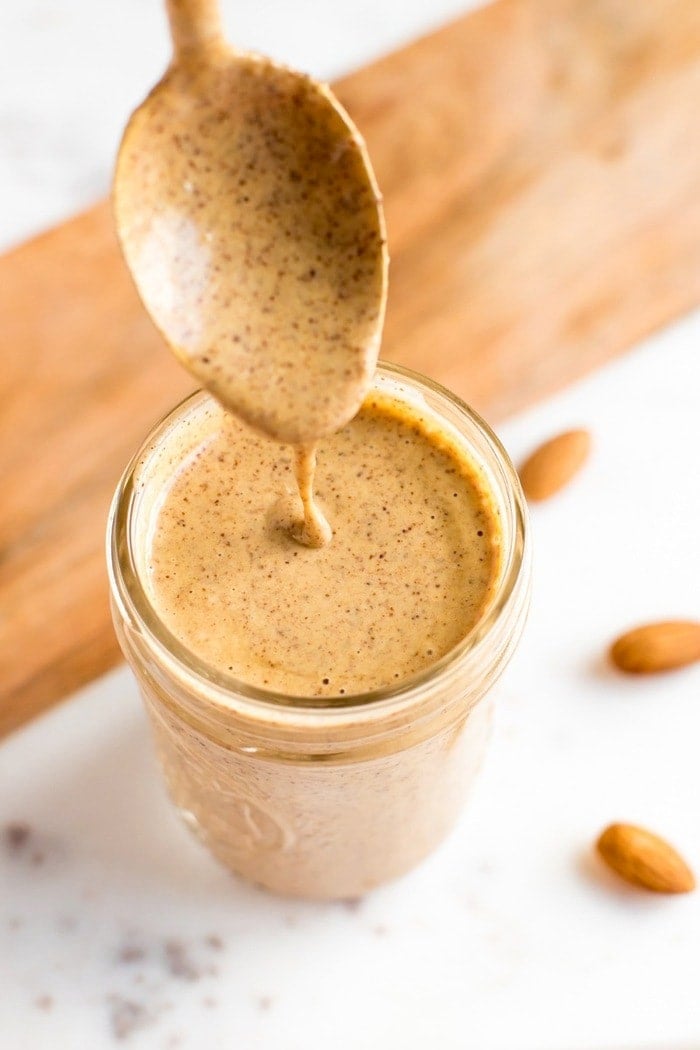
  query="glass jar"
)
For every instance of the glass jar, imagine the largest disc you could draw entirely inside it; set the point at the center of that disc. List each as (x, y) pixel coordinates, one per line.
(308, 796)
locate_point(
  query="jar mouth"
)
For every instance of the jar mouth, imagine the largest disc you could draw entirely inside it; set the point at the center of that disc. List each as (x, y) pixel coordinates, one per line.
(227, 691)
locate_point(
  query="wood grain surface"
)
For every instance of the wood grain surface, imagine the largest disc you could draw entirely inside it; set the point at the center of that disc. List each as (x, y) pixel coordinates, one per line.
(540, 163)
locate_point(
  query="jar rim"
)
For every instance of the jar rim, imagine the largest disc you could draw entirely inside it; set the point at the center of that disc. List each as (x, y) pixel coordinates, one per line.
(225, 690)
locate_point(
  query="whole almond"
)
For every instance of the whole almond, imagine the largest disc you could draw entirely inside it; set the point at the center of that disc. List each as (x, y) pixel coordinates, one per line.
(657, 647)
(550, 467)
(643, 859)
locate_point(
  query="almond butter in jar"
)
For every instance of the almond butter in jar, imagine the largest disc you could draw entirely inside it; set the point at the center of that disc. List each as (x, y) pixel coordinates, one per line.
(320, 722)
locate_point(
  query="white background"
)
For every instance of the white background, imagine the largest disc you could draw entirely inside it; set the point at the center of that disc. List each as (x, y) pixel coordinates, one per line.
(511, 936)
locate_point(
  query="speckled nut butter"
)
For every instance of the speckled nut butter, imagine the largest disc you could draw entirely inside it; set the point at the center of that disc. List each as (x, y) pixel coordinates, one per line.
(409, 572)
(251, 221)
(320, 711)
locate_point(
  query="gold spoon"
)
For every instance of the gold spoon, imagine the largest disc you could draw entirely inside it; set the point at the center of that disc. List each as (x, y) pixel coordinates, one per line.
(251, 221)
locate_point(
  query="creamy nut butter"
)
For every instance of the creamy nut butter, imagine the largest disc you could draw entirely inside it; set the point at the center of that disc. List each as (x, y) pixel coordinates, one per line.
(317, 572)
(320, 710)
(251, 221)
(409, 571)
(250, 218)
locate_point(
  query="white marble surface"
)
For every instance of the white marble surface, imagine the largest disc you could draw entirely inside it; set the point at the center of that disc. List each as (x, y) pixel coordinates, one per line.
(116, 928)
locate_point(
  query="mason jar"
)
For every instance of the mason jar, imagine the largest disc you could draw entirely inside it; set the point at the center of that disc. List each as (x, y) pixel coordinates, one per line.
(308, 796)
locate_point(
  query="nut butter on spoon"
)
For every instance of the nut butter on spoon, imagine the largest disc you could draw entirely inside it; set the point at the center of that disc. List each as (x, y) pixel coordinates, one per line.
(251, 221)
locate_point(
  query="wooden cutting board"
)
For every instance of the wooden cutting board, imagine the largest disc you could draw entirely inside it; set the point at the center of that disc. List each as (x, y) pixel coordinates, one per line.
(540, 161)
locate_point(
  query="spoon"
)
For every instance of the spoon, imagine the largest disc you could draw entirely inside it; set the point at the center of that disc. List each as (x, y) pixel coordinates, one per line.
(251, 221)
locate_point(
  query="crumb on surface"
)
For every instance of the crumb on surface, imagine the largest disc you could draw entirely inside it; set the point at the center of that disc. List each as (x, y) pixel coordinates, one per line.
(131, 953)
(16, 835)
(352, 904)
(180, 962)
(127, 1016)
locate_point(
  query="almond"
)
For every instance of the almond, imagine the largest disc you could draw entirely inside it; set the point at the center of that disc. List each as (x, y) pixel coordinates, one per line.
(643, 859)
(553, 465)
(656, 647)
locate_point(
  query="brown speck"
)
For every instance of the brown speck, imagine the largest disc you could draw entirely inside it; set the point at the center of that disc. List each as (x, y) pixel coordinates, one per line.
(180, 962)
(352, 904)
(16, 835)
(43, 1002)
(127, 1016)
(130, 953)
(265, 1002)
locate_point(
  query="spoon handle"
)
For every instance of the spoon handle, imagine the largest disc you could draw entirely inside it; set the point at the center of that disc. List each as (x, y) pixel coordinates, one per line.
(194, 24)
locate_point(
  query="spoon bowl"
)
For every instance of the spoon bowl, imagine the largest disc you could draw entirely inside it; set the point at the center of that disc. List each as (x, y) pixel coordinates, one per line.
(251, 221)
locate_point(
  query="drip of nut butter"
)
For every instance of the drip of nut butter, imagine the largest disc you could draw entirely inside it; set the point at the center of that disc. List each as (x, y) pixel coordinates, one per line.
(251, 222)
